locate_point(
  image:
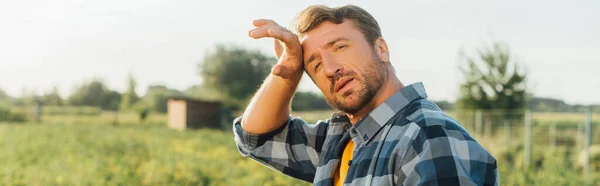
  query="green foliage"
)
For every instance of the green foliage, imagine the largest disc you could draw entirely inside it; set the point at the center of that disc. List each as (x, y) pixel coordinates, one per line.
(556, 105)
(129, 98)
(87, 150)
(309, 101)
(83, 154)
(157, 96)
(7, 113)
(143, 114)
(203, 92)
(71, 110)
(142, 110)
(95, 94)
(548, 105)
(52, 97)
(5, 105)
(4, 96)
(28, 97)
(444, 105)
(111, 101)
(4, 111)
(549, 167)
(234, 73)
(89, 94)
(493, 80)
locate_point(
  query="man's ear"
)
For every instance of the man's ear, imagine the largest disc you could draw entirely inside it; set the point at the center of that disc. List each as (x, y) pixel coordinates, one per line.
(381, 49)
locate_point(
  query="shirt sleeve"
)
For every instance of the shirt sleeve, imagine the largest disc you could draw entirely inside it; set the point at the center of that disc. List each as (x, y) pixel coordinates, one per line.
(293, 149)
(442, 156)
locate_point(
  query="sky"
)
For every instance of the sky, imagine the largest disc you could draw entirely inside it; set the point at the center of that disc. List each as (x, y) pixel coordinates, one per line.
(64, 42)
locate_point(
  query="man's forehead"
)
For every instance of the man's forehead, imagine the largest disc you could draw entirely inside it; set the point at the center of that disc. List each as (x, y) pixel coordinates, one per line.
(323, 33)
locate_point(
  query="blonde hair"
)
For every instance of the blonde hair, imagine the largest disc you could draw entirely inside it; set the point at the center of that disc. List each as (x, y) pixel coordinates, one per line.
(313, 16)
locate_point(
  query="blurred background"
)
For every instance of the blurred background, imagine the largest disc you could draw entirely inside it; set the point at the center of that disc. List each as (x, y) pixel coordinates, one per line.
(144, 92)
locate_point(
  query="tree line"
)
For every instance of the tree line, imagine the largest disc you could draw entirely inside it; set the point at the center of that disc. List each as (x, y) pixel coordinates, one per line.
(492, 79)
(230, 75)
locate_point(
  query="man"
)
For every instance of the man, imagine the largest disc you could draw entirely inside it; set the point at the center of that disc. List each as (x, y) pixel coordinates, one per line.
(385, 134)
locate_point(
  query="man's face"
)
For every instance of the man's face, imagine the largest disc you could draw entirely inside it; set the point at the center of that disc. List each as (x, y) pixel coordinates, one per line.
(343, 64)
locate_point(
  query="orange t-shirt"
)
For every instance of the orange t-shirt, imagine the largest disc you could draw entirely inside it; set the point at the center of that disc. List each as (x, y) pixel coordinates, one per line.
(340, 174)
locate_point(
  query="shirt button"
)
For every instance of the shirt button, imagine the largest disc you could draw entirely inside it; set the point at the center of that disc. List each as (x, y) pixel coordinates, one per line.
(365, 137)
(353, 131)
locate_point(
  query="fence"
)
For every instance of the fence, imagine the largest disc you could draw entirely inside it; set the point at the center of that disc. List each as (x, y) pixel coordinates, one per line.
(81, 115)
(535, 130)
(529, 132)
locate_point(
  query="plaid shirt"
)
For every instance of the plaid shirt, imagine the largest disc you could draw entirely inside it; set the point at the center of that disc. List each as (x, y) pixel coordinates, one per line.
(407, 140)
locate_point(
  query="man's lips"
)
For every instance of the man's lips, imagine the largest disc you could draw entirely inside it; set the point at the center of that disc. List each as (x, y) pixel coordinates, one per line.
(342, 83)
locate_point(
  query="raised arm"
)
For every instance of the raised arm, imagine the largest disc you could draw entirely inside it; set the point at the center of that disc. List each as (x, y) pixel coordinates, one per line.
(270, 106)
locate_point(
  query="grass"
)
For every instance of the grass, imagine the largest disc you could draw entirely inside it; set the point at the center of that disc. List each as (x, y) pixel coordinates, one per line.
(80, 154)
(91, 150)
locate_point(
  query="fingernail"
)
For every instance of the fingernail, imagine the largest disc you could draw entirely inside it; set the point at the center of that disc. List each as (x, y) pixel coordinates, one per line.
(251, 34)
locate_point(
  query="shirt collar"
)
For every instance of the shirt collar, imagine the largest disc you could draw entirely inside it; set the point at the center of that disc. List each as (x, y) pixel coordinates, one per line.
(369, 125)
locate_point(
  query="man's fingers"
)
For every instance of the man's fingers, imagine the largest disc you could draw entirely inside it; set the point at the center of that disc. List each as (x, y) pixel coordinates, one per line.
(262, 22)
(284, 35)
(290, 39)
(277, 32)
(261, 32)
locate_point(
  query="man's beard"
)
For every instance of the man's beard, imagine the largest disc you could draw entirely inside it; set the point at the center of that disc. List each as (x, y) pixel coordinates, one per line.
(372, 79)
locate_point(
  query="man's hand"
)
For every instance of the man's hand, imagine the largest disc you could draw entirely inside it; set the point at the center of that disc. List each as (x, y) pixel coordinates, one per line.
(287, 48)
(270, 107)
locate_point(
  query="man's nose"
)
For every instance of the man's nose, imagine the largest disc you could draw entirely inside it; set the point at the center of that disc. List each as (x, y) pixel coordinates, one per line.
(331, 66)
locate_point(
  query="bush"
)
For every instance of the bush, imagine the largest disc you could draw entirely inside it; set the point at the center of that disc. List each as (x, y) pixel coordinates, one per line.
(16, 117)
(6, 114)
(71, 110)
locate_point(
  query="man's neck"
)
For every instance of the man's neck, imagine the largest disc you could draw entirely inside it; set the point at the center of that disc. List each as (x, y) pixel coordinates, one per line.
(389, 88)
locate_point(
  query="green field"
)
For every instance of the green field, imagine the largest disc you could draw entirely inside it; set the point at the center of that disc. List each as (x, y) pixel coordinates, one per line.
(92, 150)
(84, 154)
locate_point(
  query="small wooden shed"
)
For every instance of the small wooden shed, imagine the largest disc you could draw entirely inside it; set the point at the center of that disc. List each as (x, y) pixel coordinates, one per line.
(187, 113)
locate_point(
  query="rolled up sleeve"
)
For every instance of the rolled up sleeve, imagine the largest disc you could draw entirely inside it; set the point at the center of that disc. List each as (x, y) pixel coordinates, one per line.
(292, 149)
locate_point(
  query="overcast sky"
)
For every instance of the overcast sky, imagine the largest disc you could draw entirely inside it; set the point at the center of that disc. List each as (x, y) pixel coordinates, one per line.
(62, 42)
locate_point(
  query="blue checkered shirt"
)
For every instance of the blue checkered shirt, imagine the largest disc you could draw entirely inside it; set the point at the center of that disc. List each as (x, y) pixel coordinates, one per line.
(407, 140)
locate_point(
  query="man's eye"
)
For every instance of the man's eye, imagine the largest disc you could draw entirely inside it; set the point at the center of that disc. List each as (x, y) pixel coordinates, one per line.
(341, 47)
(317, 66)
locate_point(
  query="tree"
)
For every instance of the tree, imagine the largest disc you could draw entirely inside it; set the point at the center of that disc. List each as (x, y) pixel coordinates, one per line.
(52, 97)
(5, 105)
(88, 94)
(493, 80)
(309, 101)
(28, 97)
(157, 95)
(234, 73)
(111, 101)
(444, 105)
(203, 92)
(548, 105)
(129, 97)
(3, 95)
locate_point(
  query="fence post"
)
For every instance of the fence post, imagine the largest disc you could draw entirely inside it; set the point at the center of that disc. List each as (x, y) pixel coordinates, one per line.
(507, 131)
(478, 122)
(38, 111)
(116, 119)
(588, 138)
(488, 126)
(527, 138)
(553, 136)
(578, 137)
